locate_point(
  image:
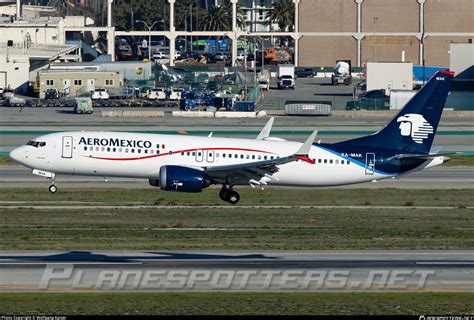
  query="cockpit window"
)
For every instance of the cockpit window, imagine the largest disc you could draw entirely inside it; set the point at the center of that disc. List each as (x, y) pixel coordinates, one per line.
(36, 144)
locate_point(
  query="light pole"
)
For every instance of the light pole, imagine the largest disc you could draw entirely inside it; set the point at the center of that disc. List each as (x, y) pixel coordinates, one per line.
(191, 24)
(375, 31)
(149, 34)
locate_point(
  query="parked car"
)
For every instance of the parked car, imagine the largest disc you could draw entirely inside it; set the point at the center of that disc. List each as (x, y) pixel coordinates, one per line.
(191, 55)
(100, 94)
(241, 55)
(160, 54)
(305, 73)
(157, 94)
(210, 57)
(203, 78)
(220, 56)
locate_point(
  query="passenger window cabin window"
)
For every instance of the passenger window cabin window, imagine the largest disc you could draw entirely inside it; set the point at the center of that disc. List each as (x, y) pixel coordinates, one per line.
(253, 157)
(241, 156)
(223, 155)
(236, 156)
(342, 161)
(259, 157)
(103, 149)
(188, 153)
(114, 149)
(132, 150)
(91, 148)
(171, 152)
(120, 149)
(108, 149)
(319, 160)
(247, 157)
(145, 151)
(139, 150)
(194, 154)
(264, 157)
(85, 148)
(348, 162)
(330, 161)
(325, 160)
(337, 161)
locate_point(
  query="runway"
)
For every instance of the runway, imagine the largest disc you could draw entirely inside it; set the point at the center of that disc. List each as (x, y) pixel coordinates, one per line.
(237, 270)
(434, 178)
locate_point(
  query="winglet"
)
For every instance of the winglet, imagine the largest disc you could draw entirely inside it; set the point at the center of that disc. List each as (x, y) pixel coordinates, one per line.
(304, 150)
(265, 133)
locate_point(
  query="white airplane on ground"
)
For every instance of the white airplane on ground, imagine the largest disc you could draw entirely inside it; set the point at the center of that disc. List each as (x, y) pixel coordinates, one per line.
(190, 163)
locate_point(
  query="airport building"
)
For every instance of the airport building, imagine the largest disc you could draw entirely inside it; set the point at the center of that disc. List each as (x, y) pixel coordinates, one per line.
(380, 30)
(77, 83)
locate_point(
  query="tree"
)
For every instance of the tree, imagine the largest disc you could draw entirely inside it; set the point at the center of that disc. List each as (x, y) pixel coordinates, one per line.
(282, 13)
(148, 11)
(219, 18)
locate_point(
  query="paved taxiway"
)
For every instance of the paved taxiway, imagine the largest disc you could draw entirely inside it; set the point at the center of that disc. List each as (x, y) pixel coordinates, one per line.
(434, 178)
(237, 270)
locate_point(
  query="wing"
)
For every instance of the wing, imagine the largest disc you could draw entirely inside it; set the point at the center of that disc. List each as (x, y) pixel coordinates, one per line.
(253, 172)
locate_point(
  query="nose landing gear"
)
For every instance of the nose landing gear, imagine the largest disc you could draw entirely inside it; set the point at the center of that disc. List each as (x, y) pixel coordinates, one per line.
(229, 195)
(53, 188)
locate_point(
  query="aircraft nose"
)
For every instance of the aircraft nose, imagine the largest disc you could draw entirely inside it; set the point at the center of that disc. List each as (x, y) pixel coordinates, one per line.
(18, 154)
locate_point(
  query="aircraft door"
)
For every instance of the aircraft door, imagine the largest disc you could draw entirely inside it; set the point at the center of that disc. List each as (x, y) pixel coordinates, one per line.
(67, 147)
(210, 155)
(369, 163)
(199, 155)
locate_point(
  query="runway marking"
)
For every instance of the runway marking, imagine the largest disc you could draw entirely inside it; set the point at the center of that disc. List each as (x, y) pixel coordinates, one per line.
(443, 263)
(93, 206)
(71, 262)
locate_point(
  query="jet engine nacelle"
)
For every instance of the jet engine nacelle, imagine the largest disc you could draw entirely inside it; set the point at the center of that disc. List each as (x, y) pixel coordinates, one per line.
(183, 179)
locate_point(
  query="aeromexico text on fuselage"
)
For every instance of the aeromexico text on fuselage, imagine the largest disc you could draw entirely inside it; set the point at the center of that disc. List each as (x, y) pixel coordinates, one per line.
(115, 142)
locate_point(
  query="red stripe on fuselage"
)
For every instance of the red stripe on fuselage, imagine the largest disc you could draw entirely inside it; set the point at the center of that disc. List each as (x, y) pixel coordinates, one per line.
(180, 151)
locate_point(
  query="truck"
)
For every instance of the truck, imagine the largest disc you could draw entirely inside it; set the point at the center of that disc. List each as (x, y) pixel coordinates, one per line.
(342, 73)
(286, 76)
(389, 76)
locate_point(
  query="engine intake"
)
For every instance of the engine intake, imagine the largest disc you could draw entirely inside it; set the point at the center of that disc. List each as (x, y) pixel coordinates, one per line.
(178, 178)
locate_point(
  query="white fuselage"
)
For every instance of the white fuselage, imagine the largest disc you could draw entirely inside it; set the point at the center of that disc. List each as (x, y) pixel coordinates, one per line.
(139, 155)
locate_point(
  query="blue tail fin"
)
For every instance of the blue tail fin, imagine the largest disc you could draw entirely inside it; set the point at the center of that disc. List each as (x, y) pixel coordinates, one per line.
(412, 130)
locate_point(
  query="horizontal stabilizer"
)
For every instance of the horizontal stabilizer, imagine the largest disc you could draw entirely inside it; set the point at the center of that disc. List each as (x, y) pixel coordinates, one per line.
(422, 156)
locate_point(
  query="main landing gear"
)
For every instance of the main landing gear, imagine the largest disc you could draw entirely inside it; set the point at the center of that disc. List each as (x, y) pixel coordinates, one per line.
(229, 195)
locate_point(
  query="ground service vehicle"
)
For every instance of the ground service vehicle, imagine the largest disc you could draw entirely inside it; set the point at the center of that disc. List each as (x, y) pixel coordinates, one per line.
(286, 76)
(342, 73)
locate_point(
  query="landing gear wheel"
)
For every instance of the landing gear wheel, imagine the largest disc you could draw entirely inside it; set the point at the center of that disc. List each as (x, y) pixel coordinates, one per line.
(53, 188)
(233, 197)
(223, 194)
